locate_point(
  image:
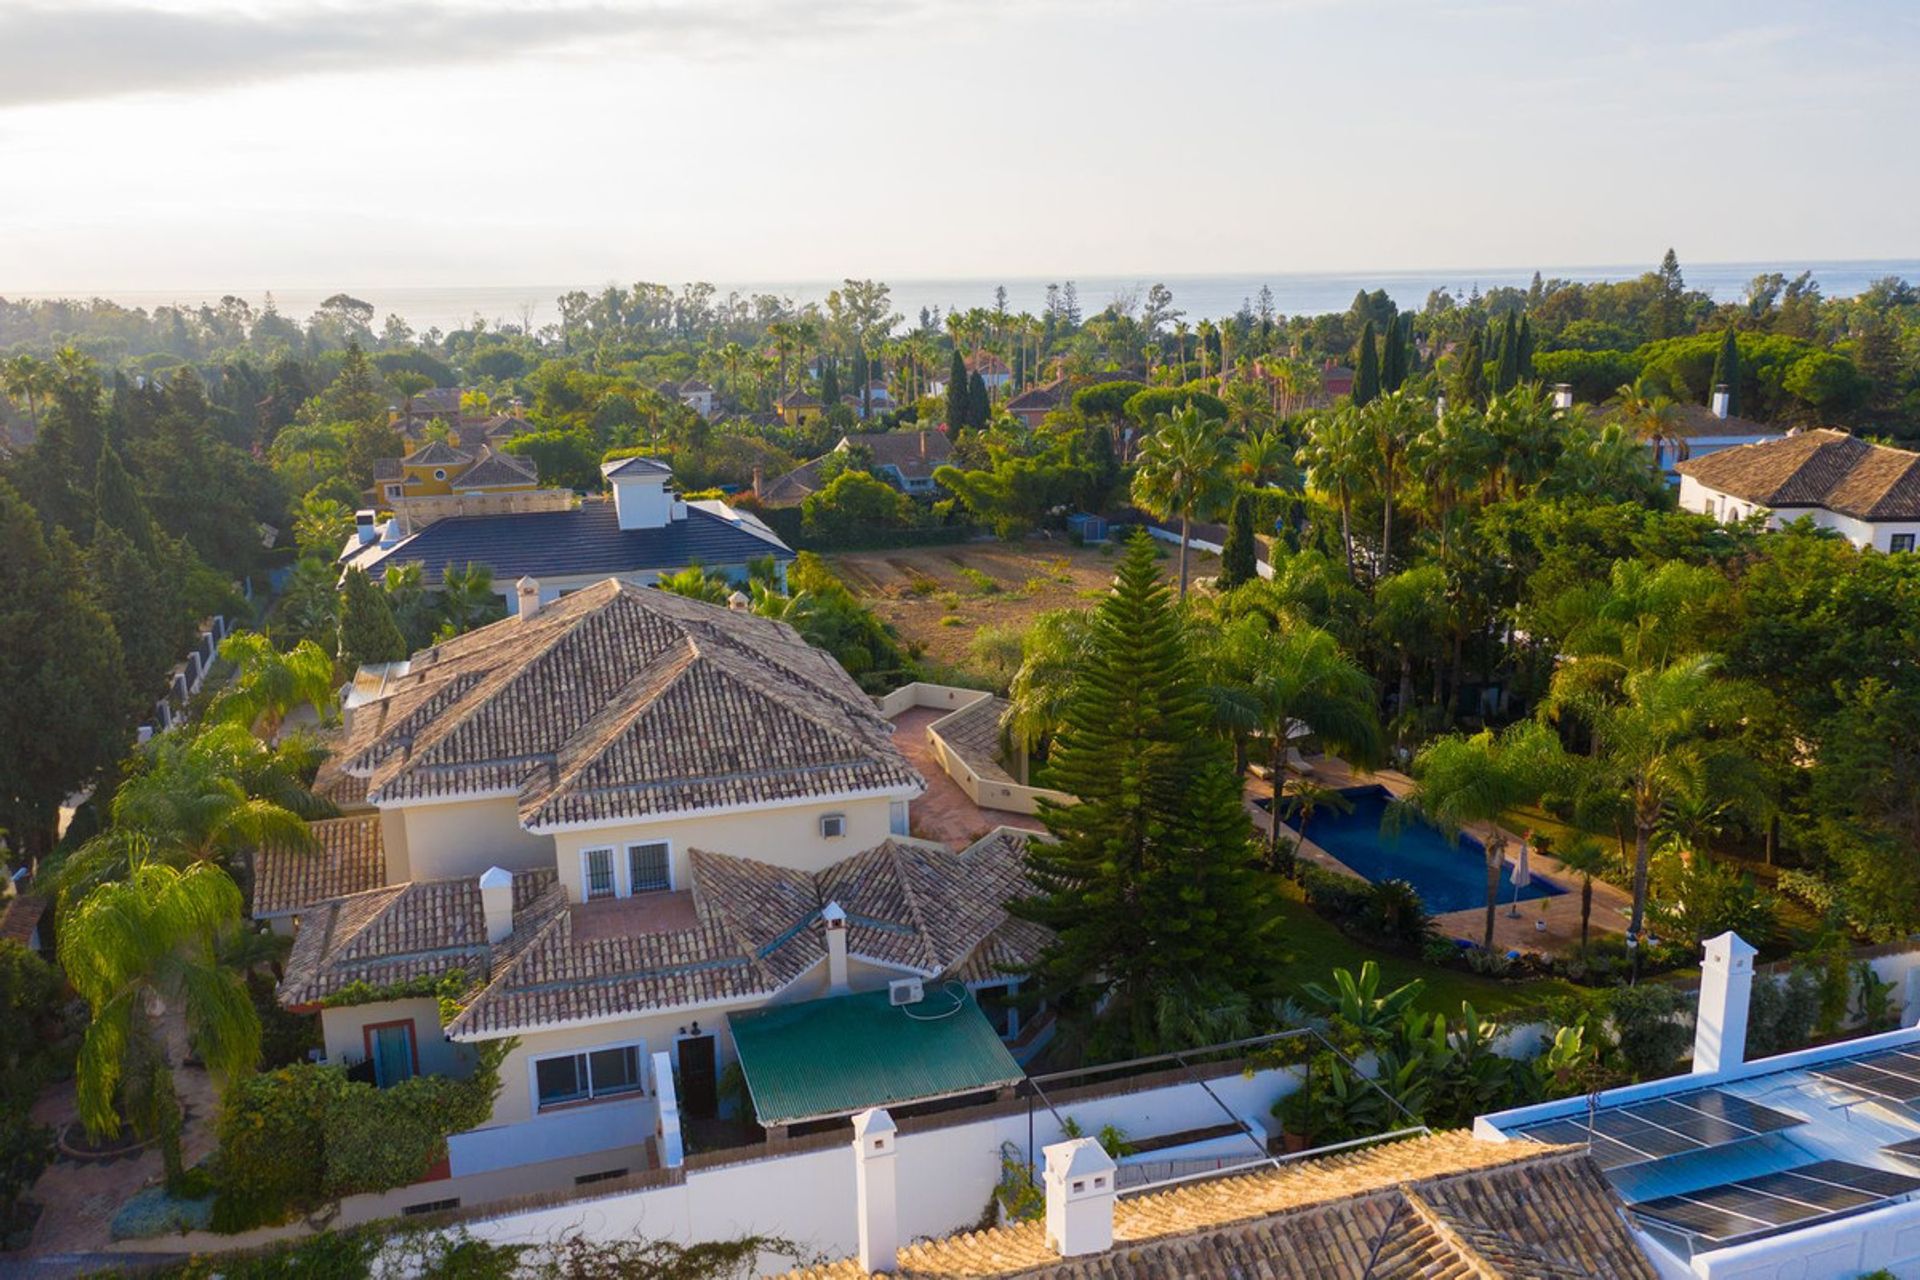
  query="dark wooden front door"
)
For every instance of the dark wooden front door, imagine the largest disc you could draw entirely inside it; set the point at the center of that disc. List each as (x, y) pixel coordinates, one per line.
(699, 1094)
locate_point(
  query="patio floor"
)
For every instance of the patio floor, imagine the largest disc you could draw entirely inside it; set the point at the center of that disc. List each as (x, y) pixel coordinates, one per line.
(946, 813)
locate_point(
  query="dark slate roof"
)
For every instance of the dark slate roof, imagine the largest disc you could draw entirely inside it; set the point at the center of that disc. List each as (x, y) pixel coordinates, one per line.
(498, 469)
(1820, 468)
(586, 539)
(437, 453)
(637, 466)
(386, 469)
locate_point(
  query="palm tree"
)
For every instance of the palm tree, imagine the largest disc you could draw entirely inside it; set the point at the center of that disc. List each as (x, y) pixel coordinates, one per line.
(1050, 655)
(25, 378)
(267, 684)
(1292, 676)
(467, 596)
(1450, 460)
(1586, 858)
(409, 384)
(1460, 781)
(1653, 419)
(731, 357)
(1391, 422)
(131, 949)
(1184, 471)
(1263, 457)
(1335, 456)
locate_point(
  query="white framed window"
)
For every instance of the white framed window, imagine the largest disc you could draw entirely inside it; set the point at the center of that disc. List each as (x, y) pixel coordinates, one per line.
(648, 867)
(1900, 542)
(584, 1075)
(439, 473)
(393, 491)
(833, 825)
(596, 874)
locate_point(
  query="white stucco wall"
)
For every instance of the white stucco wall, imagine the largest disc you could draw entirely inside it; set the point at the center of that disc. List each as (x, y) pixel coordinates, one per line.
(342, 1032)
(1878, 534)
(464, 838)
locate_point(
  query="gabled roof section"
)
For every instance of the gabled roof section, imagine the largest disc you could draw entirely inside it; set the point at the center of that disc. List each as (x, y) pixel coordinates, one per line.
(437, 453)
(917, 906)
(635, 466)
(349, 858)
(498, 469)
(1818, 468)
(622, 702)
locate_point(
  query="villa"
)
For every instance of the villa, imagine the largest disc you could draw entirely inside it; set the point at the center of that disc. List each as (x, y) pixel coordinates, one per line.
(904, 459)
(1868, 492)
(644, 835)
(643, 533)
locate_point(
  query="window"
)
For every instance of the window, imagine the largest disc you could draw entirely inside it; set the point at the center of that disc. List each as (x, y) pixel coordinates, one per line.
(833, 825)
(596, 873)
(591, 1073)
(439, 473)
(428, 1206)
(604, 1175)
(897, 821)
(1901, 542)
(647, 868)
(393, 491)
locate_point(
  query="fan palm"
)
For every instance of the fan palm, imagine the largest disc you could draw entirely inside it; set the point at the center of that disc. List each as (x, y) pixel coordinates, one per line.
(268, 685)
(1184, 471)
(1336, 458)
(1653, 419)
(1391, 422)
(134, 949)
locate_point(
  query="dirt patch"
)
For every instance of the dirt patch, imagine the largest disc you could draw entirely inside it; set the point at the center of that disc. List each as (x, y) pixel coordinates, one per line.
(937, 598)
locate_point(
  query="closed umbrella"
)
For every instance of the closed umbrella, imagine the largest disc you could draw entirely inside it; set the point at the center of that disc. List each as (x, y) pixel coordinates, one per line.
(1522, 877)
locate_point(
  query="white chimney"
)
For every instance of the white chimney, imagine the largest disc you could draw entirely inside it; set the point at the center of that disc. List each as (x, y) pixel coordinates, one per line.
(1726, 988)
(739, 601)
(366, 524)
(1081, 1192)
(874, 1141)
(526, 597)
(1721, 400)
(1562, 395)
(496, 902)
(835, 920)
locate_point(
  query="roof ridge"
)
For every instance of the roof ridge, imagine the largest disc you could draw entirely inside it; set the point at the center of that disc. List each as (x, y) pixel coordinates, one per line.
(605, 726)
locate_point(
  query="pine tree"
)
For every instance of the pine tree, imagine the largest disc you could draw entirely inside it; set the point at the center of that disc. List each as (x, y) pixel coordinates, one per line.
(1239, 559)
(979, 402)
(1147, 885)
(1366, 368)
(353, 396)
(1507, 366)
(368, 632)
(1726, 372)
(958, 413)
(118, 505)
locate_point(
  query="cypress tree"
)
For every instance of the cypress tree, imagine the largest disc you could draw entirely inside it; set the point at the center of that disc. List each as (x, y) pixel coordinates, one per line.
(1147, 886)
(1366, 370)
(368, 632)
(1470, 380)
(1507, 367)
(1393, 362)
(979, 402)
(830, 383)
(1238, 558)
(1726, 370)
(1526, 350)
(117, 504)
(958, 414)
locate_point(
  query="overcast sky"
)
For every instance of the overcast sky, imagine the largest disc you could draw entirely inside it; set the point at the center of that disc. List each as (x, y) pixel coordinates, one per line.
(157, 144)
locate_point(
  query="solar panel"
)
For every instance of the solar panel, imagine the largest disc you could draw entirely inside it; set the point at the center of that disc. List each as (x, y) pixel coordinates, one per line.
(1879, 1075)
(1772, 1202)
(1908, 1150)
(1653, 1130)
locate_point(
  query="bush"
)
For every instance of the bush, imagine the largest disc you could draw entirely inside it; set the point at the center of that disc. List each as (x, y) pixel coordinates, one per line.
(1394, 913)
(1782, 1014)
(1340, 898)
(26, 1149)
(1652, 1027)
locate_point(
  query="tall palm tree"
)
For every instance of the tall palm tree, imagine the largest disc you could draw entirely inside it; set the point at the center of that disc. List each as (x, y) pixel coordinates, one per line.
(1050, 654)
(467, 596)
(26, 378)
(1653, 419)
(1460, 781)
(1263, 457)
(1184, 471)
(134, 949)
(267, 684)
(1391, 422)
(1450, 459)
(1586, 858)
(1291, 675)
(1336, 458)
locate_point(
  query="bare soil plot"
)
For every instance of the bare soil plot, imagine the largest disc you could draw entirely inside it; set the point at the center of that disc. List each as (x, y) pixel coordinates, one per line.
(937, 598)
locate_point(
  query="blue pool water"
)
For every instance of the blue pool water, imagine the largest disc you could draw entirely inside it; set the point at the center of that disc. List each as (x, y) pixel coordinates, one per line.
(1448, 875)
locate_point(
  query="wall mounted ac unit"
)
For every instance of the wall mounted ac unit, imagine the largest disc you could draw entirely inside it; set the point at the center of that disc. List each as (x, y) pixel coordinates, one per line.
(905, 991)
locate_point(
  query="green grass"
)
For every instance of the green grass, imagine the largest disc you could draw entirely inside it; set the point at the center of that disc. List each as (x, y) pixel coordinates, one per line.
(1316, 948)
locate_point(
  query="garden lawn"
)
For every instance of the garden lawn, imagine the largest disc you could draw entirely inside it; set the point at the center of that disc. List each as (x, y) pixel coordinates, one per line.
(1316, 948)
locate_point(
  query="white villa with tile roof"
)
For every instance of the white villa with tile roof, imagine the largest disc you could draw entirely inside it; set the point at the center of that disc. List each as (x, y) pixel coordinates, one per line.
(601, 827)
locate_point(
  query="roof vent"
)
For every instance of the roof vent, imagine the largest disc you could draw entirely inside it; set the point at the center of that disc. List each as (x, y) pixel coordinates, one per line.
(526, 595)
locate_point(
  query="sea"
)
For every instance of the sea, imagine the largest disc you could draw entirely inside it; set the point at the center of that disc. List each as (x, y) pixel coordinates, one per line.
(1198, 296)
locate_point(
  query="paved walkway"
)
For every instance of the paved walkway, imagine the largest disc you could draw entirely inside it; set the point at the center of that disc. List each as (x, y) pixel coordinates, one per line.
(1560, 913)
(945, 813)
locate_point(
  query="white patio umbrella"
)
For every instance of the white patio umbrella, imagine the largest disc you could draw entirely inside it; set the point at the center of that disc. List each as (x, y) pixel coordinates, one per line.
(1522, 877)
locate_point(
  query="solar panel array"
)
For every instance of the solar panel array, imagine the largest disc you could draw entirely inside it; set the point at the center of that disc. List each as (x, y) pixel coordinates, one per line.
(1908, 1150)
(1797, 1197)
(1643, 1131)
(1891, 1075)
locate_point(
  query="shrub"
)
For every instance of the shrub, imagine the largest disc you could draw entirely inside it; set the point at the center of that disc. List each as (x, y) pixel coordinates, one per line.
(26, 1149)
(1782, 1013)
(1394, 913)
(1652, 1027)
(1338, 897)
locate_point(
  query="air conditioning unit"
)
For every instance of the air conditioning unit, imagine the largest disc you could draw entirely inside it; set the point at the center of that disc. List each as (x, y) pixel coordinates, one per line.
(905, 991)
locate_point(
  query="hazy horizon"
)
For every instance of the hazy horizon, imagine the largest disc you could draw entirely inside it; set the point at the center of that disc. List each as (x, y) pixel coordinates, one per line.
(444, 142)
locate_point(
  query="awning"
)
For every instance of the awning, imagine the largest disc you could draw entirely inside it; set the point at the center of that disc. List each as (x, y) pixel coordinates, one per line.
(825, 1058)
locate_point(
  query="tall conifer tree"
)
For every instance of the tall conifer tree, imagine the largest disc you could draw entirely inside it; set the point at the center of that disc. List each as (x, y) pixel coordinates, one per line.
(958, 415)
(368, 632)
(1366, 369)
(1507, 367)
(1726, 370)
(1239, 559)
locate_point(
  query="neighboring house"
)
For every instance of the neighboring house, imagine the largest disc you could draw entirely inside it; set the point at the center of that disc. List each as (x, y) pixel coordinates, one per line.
(1336, 380)
(697, 396)
(1429, 1207)
(1034, 404)
(643, 533)
(1868, 492)
(439, 480)
(904, 459)
(434, 402)
(992, 369)
(608, 828)
(879, 400)
(799, 409)
(1806, 1164)
(1700, 431)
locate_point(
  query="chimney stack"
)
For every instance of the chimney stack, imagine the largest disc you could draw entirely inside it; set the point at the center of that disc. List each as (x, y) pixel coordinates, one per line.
(759, 482)
(366, 524)
(1562, 395)
(835, 920)
(526, 597)
(874, 1139)
(1721, 400)
(1081, 1193)
(496, 903)
(1726, 988)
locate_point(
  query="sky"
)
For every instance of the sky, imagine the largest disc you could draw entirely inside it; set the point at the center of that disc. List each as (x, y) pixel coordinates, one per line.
(251, 144)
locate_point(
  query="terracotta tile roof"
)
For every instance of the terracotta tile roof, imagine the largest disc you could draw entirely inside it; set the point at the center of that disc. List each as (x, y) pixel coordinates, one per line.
(800, 400)
(915, 454)
(1441, 1206)
(498, 469)
(349, 859)
(621, 702)
(974, 732)
(409, 931)
(1040, 399)
(755, 928)
(340, 789)
(20, 916)
(986, 364)
(1818, 468)
(437, 453)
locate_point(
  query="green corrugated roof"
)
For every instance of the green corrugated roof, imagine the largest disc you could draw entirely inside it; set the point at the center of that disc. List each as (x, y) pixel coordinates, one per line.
(840, 1055)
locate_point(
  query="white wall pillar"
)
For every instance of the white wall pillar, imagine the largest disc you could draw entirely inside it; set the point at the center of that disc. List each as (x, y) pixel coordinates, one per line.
(874, 1148)
(666, 1095)
(834, 919)
(1081, 1193)
(496, 902)
(1726, 990)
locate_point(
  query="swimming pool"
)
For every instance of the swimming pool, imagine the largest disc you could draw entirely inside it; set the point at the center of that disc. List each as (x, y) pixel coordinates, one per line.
(1448, 876)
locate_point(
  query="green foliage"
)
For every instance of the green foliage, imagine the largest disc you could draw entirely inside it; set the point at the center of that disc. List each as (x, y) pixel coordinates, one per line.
(1019, 1195)
(447, 988)
(853, 504)
(1652, 1027)
(1781, 1014)
(1148, 406)
(827, 615)
(368, 632)
(565, 459)
(33, 1048)
(26, 1149)
(1239, 559)
(1695, 898)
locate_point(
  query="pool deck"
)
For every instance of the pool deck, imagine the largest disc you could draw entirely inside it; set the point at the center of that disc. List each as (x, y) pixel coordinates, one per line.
(1561, 913)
